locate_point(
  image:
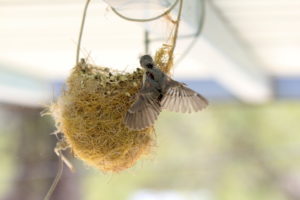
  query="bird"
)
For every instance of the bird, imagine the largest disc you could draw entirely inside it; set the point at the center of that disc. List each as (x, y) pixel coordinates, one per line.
(158, 92)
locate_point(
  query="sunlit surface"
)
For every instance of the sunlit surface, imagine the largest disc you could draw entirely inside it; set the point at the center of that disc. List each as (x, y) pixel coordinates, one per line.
(269, 28)
(244, 146)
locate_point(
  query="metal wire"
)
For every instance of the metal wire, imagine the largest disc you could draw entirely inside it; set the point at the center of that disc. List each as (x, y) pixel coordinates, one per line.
(196, 36)
(148, 19)
(81, 30)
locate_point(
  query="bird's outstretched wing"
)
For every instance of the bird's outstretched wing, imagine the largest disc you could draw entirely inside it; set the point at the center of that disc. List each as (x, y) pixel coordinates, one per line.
(144, 111)
(180, 98)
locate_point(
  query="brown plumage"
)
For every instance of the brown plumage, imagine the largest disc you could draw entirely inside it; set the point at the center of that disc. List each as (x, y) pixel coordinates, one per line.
(144, 111)
(159, 92)
(180, 98)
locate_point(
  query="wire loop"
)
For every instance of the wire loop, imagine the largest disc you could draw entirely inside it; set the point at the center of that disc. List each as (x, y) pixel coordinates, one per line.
(148, 19)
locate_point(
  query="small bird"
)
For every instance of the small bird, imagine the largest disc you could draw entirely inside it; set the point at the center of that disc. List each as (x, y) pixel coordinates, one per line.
(158, 92)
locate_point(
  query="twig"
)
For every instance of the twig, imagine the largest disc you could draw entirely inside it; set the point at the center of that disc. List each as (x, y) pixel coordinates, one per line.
(56, 179)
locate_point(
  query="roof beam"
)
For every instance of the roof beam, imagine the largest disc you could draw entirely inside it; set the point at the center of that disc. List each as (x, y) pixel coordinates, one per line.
(229, 61)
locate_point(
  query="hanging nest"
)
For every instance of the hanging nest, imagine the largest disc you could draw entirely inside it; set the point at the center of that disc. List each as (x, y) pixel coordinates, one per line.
(91, 110)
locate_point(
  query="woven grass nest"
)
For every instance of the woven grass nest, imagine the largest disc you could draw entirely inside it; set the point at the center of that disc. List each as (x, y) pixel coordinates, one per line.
(91, 110)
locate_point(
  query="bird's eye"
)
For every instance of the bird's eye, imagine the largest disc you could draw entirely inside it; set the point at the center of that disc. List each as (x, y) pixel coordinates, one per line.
(149, 65)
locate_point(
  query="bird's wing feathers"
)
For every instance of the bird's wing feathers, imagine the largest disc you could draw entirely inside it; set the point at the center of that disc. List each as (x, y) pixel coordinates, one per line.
(144, 111)
(180, 98)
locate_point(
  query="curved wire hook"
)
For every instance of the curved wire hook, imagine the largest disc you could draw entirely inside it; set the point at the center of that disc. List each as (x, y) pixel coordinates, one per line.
(148, 19)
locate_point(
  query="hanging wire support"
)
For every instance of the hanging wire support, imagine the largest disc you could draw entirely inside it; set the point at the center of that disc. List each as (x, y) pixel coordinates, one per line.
(193, 36)
(196, 35)
(81, 30)
(148, 19)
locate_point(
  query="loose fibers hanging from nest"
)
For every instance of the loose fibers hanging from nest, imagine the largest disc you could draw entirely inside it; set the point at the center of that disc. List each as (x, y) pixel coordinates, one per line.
(91, 111)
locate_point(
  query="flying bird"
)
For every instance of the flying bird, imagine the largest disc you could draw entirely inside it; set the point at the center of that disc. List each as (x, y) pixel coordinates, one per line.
(158, 92)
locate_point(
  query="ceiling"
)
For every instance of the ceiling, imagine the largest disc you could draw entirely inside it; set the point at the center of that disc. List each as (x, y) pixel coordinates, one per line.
(269, 28)
(36, 31)
(242, 45)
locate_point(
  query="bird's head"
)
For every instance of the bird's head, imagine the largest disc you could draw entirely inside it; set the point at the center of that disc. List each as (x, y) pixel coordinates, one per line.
(146, 62)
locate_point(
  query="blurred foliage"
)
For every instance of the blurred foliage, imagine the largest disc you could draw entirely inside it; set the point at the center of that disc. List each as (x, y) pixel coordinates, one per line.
(8, 148)
(233, 151)
(7, 167)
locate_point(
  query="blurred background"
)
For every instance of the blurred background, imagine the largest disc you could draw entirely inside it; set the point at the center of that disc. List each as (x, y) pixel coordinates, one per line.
(242, 55)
